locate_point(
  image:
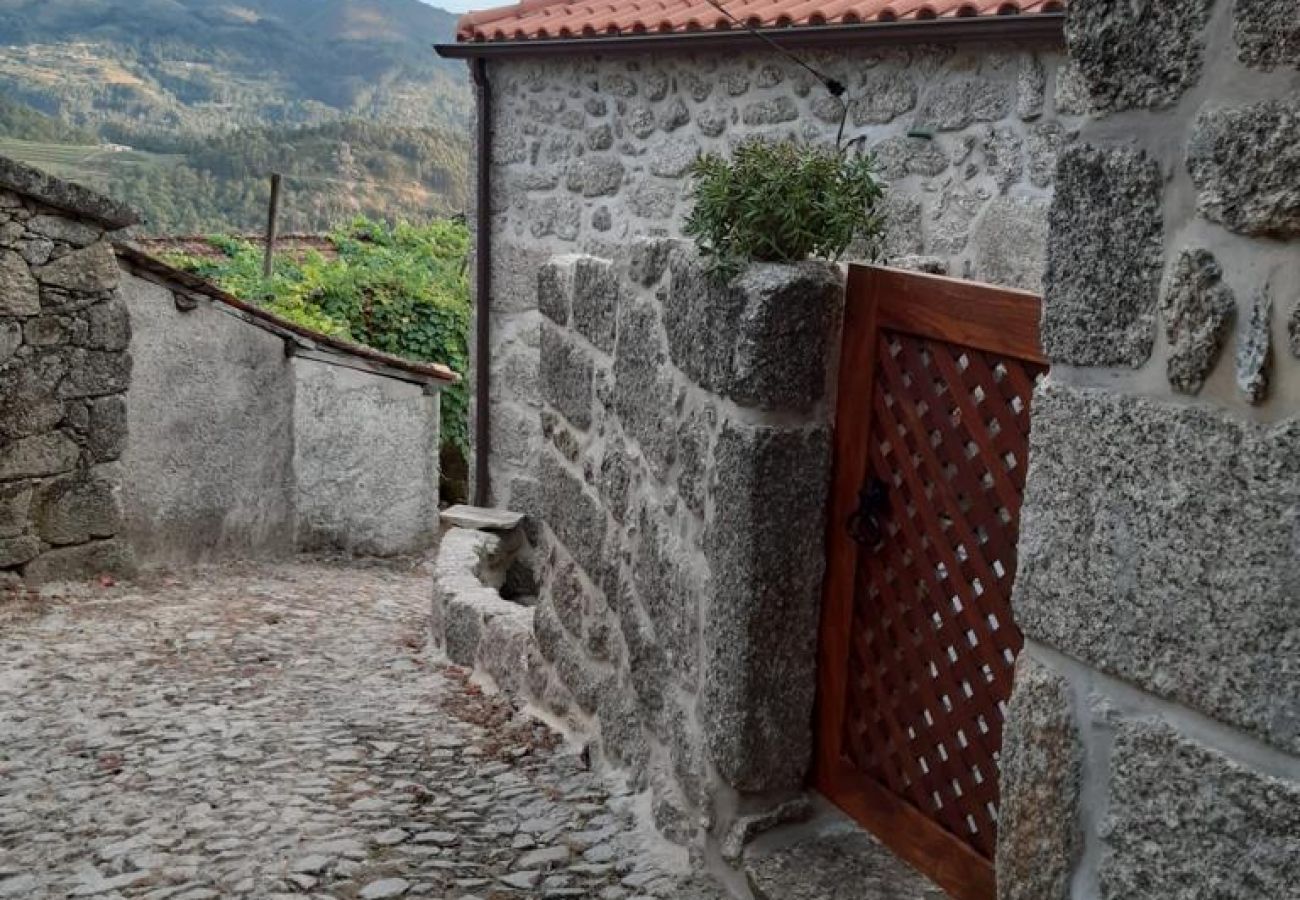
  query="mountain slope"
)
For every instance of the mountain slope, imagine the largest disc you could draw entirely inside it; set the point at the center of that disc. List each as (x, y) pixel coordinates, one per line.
(183, 107)
(135, 66)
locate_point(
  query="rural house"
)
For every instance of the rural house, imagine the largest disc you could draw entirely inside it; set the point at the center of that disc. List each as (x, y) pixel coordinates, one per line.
(804, 530)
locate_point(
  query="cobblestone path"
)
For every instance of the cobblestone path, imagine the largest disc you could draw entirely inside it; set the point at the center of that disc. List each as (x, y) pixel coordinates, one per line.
(258, 731)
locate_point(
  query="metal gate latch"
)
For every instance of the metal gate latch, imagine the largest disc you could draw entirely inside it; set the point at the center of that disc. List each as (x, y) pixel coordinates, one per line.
(864, 524)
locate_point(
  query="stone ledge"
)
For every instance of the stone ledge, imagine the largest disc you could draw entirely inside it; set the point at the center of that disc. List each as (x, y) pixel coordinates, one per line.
(64, 195)
(481, 518)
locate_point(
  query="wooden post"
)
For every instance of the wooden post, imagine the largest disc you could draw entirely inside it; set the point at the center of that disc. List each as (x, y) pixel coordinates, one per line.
(272, 223)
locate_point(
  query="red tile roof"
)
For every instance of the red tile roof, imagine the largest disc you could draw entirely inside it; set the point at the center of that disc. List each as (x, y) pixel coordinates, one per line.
(540, 19)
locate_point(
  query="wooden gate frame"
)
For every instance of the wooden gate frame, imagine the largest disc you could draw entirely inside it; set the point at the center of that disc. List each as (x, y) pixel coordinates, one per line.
(934, 307)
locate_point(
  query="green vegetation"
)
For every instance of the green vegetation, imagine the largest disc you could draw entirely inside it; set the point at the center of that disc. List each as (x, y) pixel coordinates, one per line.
(332, 172)
(783, 202)
(183, 108)
(402, 289)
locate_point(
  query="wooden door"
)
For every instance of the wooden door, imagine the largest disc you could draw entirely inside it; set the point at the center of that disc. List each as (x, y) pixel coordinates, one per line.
(917, 637)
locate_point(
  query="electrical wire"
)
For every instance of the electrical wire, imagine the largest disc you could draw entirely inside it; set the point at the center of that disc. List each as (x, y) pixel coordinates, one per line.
(833, 86)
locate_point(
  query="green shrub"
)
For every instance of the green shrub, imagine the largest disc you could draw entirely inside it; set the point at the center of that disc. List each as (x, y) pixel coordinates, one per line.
(783, 202)
(402, 289)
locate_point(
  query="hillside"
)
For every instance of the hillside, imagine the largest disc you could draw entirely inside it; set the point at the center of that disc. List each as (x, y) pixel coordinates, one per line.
(182, 108)
(131, 67)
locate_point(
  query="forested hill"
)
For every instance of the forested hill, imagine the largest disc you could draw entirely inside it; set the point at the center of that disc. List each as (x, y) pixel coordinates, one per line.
(128, 66)
(182, 108)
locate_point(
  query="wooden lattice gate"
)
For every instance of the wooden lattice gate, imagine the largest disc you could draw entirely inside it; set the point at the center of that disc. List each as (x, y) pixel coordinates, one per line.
(918, 641)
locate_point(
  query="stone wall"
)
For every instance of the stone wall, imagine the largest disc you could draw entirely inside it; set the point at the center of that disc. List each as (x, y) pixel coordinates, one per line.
(64, 366)
(238, 449)
(209, 461)
(365, 459)
(591, 151)
(1153, 742)
(683, 482)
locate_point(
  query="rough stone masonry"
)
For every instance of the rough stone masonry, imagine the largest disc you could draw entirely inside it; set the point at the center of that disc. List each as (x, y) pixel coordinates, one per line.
(589, 152)
(64, 368)
(683, 482)
(1153, 742)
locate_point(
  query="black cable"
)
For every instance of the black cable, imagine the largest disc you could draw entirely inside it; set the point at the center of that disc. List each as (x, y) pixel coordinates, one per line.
(833, 86)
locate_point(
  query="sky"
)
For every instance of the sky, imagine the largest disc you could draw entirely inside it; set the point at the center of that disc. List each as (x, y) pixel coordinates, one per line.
(460, 6)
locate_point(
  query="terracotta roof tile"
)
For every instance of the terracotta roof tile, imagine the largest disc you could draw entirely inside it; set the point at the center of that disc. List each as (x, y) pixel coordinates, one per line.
(541, 19)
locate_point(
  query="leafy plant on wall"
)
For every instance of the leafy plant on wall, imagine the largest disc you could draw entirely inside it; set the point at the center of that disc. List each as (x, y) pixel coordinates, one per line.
(784, 202)
(399, 288)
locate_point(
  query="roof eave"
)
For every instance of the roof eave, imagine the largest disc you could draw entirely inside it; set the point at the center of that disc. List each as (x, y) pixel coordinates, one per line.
(1046, 27)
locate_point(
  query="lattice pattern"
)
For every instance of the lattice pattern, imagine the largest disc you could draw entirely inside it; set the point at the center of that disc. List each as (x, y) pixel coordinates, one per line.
(933, 641)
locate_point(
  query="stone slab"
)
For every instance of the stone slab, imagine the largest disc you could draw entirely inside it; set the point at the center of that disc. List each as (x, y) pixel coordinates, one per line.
(481, 518)
(1195, 823)
(64, 195)
(1159, 543)
(760, 629)
(830, 859)
(1040, 836)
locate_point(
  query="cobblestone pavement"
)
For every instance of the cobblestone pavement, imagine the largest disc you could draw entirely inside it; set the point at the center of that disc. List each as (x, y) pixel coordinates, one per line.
(258, 731)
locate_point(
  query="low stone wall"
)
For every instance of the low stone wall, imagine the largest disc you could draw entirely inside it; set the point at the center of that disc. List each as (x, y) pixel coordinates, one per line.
(472, 622)
(1153, 740)
(64, 368)
(683, 483)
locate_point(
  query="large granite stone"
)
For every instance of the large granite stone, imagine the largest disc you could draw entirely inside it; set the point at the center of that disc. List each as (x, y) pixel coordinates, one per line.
(1245, 162)
(644, 393)
(42, 454)
(567, 371)
(88, 270)
(73, 510)
(593, 299)
(1040, 836)
(760, 340)
(15, 551)
(671, 587)
(1010, 242)
(587, 683)
(1197, 308)
(902, 155)
(95, 373)
(765, 554)
(83, 561)
(647, 666)
(69, 231)
(1186, 821)
(1104, 255)
(961, 102)
(573, 514)
(15, 501)
(105, 326)
(622, 734)
(514, 275)
(594, 176)
(1267, 32)
(884, 96)
(20, 294)
(1158, 543)
(1136, 55)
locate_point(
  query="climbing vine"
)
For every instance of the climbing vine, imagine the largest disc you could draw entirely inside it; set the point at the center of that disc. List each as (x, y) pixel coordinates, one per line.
(399, 288)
